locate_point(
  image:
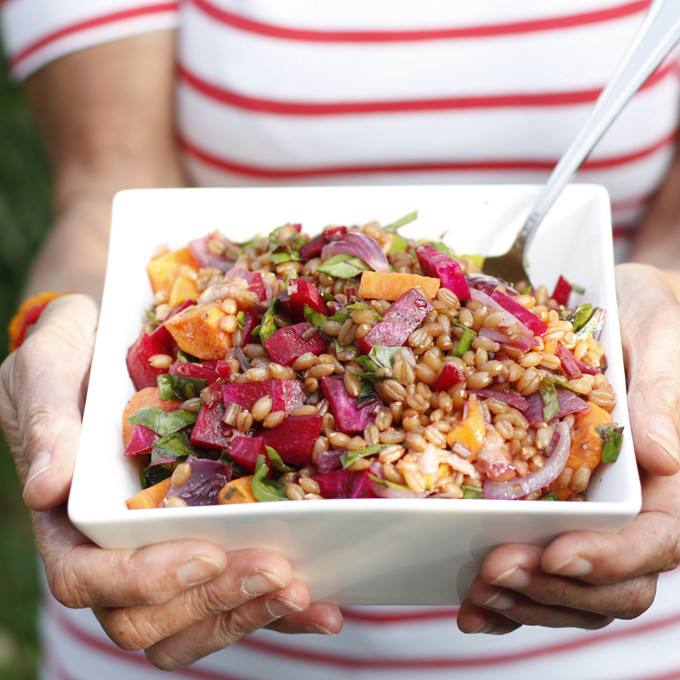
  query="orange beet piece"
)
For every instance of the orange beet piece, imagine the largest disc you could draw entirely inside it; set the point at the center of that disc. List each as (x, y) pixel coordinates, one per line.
(197, 331)
(392, 285)
(151, 497)
(237, 491)
(164, 269)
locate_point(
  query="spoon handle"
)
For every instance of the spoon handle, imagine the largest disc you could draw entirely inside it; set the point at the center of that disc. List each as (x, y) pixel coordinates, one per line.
(659, 33)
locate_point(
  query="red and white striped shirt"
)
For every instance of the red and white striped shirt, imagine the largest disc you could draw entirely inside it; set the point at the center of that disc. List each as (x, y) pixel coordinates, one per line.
(387, 91)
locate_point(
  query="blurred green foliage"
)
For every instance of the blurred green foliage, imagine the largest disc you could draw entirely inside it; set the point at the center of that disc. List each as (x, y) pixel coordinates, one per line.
(25, 194)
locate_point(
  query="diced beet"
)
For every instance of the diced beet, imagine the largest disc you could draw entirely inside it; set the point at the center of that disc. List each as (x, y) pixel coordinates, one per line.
(209, 431)
(141, 441)
(245, 451)
(259, 286)
(439, 265)
(401, 319)
(562, 291)
(141, 372)
(303, 292)
(204, 370)
(294, 438)
(312, 248)
(286, 344)
(450, 375)
(286, 395)
(328, 460)
(349, 416)
(284, 304)
(223, 368)
(344, 484)
(205, 481)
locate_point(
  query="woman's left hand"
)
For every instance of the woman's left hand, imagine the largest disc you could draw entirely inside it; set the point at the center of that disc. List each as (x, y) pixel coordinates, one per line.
(587, 579)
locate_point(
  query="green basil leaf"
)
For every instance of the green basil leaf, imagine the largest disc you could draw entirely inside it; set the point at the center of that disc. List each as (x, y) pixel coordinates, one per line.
(179, 387)
(343, 266)
(473, 492)
(465, 341)
(350, 457)
(387, 483)
(391, 228)
(263, 488)
(383, 356)
(276, 461)
(267, 326)
(612, 439)
(315, 318)
(175, 446)
(162, 422)
(548, 392)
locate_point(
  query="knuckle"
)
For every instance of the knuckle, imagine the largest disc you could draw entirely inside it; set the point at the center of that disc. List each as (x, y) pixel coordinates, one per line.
(131, 632)
(638, 598)
(64, 585)
(232, 626)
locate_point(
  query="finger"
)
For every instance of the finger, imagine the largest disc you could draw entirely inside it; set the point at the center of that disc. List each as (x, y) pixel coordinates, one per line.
(249, 575)
(80, 574)
(46, 382)
(473, 620)
(522, 609)
(514, 582)
(650, 326)
(648, 545)
(319, 617)
(220, 631)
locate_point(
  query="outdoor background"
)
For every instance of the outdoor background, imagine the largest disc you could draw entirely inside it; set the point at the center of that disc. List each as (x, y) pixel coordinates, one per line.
(24, 216)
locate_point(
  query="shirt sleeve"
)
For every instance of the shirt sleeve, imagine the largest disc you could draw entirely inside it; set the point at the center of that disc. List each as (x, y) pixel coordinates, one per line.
(35, 32)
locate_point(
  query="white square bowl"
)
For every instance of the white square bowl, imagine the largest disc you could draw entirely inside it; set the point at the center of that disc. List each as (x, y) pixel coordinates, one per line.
(363, 551)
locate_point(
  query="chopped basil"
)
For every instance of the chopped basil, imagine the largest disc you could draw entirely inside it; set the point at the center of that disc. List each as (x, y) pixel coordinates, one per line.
(548, 392)
(593, 327)
(387, 483)
(579, 317)
(391, 228)
(473, 492)
(612, 439)
(152, 474)
(263, 488)
(383, 355)
(172, 446)
(250, 242)
(179, 387)
(359, 305)
(465, 342)
(399, 244)
(267, 326)
(240, 319)
(350, 457)
(162, 422)
(276, 461)
(343, 266)
(315, 318)
(367, 394)
(550, 496)
(287, 255)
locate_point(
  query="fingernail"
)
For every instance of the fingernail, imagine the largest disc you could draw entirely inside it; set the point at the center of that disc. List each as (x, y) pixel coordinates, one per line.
(199, 569)
(513, 578)
(261, 582)
(41, 463)
(662, 431)
(500, 600)
(575, 566)
(486, 627)
(279, 607)
(316, 628)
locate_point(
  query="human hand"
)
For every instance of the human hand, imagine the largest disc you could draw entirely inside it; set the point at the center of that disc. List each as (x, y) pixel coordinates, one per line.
(178, 601)
(587, 579)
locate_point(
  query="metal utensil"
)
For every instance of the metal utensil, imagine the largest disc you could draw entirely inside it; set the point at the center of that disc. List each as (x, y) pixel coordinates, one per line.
(659, 33)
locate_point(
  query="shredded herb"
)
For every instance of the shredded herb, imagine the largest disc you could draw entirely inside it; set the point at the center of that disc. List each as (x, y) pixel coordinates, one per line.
(612, 439)
(275, 459)
(162, 422)
(315, 318)
(267, 325)
(350, 457)
(465, 341)
(343, 266)
(263, 488)
(548, 392)
(473, 492)
(550, 496)
(387, 483)
(152, 474)
(579, 317)
(172, 446)
(391, 228)
(178, 387)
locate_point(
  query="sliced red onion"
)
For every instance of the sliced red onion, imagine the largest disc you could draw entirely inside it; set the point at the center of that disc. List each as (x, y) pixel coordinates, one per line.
(511, 398)
(519, 487)
(569, 403)
(362, 246)
(572, 366)
(459, 464)
(200, 249)
(527, 317)
(428, 461)
(509, 319)
(383, 491)
(223, 290)
(524, 342)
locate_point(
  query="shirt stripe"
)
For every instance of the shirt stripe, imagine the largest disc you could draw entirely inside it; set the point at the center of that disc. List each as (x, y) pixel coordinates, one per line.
(243, 23)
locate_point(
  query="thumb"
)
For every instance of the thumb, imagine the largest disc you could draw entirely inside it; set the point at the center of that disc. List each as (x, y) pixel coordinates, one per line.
(45, 383)
(650, 330)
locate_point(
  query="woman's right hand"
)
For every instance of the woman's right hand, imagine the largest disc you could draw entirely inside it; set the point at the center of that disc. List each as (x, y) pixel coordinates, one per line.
(178, 601)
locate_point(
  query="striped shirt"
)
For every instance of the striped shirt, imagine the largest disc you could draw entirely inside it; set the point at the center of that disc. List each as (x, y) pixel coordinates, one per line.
(372, 92)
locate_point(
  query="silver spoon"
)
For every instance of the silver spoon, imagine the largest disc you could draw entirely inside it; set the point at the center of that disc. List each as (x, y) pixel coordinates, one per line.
(659, 33)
